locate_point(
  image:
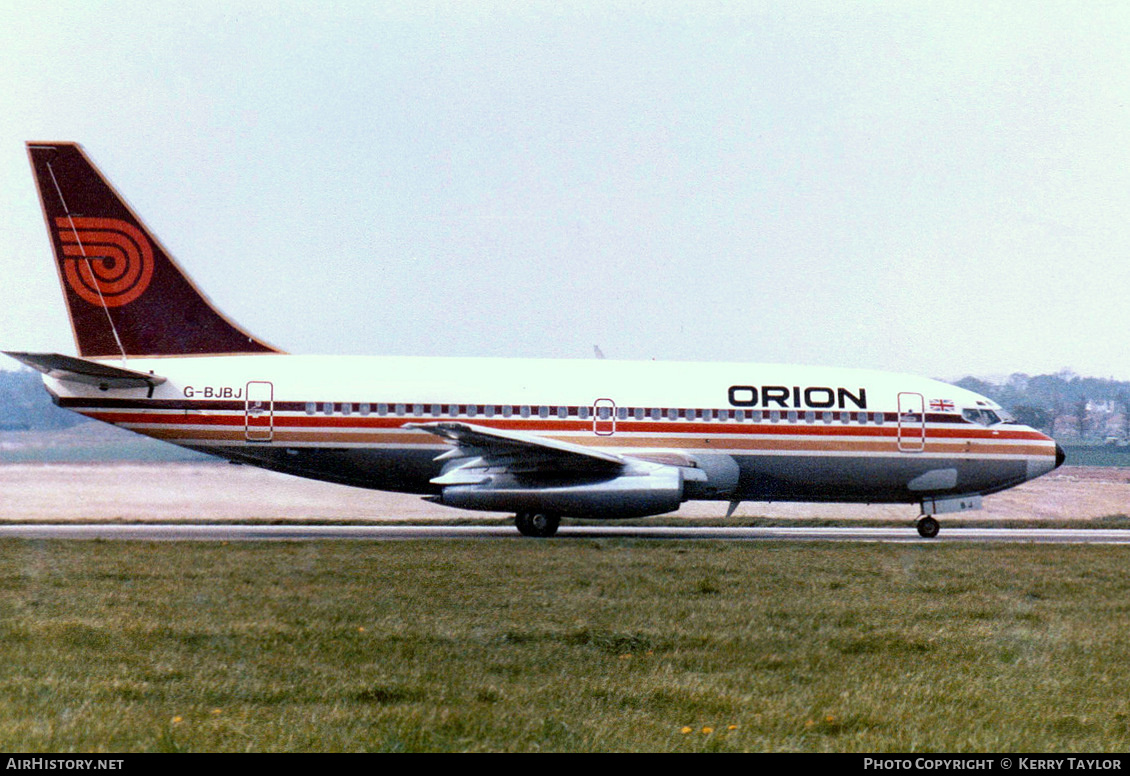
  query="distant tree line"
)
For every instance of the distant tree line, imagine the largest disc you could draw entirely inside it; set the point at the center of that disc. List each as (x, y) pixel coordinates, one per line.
(25, 405)
(1088, 408)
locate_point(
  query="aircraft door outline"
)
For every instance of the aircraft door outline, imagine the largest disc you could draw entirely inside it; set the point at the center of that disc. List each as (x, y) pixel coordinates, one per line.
(259, 411)
(604, 417)
(911, 422)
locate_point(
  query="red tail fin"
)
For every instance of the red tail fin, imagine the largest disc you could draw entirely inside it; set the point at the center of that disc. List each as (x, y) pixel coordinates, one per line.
(125, 293)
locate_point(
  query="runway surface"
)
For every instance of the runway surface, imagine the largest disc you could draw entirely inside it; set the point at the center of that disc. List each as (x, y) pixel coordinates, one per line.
(219, 493)
(247, 533)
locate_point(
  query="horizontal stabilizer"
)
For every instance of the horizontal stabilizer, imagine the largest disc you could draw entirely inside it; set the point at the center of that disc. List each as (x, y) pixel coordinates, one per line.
(79, 370)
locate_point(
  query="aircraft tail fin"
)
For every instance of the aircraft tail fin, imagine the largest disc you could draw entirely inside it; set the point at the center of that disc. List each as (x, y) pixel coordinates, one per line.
(125, 294)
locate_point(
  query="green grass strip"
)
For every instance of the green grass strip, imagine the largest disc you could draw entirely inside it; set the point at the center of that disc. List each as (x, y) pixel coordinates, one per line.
(562, 645)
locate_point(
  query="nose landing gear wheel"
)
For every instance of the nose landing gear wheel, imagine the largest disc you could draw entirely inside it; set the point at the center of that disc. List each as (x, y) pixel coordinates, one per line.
(537, 524)
(927, 527)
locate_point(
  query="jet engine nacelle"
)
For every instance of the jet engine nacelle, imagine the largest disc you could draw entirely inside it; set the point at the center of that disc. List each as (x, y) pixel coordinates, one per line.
(714, 477)
(639, 492)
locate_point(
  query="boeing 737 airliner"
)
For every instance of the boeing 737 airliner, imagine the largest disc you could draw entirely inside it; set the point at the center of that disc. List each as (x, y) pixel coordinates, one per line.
(543, 439)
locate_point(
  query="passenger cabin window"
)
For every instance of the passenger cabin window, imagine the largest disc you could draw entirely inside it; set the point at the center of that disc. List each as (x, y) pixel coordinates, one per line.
(562, 413)
(365, 408)
(311, 407)
(583, 413)
(346, 408)
(327, 408)
(400, 409)
(543, 412)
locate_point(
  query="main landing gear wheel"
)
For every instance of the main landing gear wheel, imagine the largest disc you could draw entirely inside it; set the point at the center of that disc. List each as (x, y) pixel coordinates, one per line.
(537, 524)
(927, 527)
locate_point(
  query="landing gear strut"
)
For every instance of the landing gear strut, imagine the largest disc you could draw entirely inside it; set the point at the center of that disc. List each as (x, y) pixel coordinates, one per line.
(537, 524)
(927, 527)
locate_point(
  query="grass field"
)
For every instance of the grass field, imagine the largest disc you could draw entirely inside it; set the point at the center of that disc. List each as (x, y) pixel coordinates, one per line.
(562, 645)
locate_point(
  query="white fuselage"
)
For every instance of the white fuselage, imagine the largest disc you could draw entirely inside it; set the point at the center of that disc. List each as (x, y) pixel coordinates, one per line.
(758, 432)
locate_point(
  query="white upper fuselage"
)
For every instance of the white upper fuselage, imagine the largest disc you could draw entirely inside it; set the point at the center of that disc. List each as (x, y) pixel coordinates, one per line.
(518, 382)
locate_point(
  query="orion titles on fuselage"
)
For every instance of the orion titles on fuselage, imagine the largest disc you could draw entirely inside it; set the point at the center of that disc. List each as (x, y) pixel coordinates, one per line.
(541, 438)
(814, 397)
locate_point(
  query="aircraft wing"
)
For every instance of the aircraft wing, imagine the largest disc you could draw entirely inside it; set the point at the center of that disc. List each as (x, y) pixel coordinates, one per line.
(80, 370)
(517, 452)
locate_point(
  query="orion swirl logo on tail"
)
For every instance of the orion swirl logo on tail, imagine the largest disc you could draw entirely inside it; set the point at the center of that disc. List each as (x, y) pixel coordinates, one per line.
(108, 261)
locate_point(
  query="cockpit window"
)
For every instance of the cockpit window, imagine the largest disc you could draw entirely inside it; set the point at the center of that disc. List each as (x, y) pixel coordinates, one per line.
(982, 417)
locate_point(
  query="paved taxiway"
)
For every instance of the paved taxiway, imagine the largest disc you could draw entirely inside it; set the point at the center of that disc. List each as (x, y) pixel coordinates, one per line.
(246, 533)
(219, 493)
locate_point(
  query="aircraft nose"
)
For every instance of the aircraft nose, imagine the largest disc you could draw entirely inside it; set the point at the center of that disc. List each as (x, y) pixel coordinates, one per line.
(1060, 456)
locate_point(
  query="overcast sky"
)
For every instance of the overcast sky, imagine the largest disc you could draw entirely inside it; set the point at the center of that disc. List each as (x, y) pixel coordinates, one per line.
(936, 188)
